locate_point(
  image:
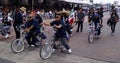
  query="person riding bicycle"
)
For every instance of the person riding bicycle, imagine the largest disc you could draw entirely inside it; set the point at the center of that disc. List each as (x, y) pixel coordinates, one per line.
(32, 28)
(61, 31)
(100, 12)
(39, 19)
(97, 22)
(64, 17)
(7, 22)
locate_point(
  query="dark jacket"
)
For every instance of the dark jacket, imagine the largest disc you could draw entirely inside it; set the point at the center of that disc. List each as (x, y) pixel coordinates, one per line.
(18, 19)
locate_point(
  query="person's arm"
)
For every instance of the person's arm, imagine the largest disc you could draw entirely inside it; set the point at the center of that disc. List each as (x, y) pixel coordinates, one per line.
(28, 29)
(58, 26)
(100, 21)
(46, 23)
(83, 16)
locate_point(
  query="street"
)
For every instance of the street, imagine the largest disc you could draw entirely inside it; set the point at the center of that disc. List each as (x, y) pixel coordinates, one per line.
(103, 50)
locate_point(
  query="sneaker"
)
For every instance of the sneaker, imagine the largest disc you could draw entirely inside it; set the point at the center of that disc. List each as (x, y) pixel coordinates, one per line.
(10, 36)
(35, 45)
(6, 36)
(112, 34)
(70, 35)
(53, 50)
(69, 51)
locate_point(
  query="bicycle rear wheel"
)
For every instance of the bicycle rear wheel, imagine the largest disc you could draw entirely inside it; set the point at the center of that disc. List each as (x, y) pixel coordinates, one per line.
(91, 37)
(17, 46)
(46, 51)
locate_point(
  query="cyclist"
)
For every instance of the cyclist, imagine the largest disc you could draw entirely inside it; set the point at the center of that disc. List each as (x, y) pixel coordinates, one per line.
(32, 29)
(64, 17)
(90, 14)
(61, 31)
(100, 12)
(40, 21)
(7, 21)
(95, 18)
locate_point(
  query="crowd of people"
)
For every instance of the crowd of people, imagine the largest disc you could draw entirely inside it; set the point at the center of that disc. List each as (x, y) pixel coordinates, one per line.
(33, 22)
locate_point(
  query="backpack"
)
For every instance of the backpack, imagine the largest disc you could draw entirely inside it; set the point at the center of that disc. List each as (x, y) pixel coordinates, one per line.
(109, 21)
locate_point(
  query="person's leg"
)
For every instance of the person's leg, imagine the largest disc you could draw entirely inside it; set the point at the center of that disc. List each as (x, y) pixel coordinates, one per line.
(95, 23)
(114, 25)
(43, 36)
(4, 30)
(55, 39)
(81, 25)
(34, 37)
(99, 31)
(78, 27)
(68, 29)
(9, 27)
(101, 20)
(65, 43)
(28, 38)
(17, 32)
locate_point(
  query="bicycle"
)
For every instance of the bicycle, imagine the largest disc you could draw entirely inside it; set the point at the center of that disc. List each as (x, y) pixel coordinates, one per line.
(47, 49)
(18, 45)
(93, 32)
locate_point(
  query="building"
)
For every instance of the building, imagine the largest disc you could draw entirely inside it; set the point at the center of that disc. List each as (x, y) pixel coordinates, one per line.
(42, 4)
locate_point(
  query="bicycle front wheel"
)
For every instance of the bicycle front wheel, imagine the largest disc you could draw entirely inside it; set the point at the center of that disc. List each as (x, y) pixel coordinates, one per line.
(46, 51)
(17, 46)
(91, 37)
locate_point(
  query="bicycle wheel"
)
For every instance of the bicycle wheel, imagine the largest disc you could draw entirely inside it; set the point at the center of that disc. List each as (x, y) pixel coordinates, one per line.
(91, 37)
(17, 46)
(46, 51)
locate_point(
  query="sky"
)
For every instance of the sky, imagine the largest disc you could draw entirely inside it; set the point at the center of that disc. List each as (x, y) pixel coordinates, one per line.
(106, 1)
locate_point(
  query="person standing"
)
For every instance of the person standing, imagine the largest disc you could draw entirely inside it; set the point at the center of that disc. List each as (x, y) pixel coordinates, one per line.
(18, 20)
(113, 21)
(80, 16)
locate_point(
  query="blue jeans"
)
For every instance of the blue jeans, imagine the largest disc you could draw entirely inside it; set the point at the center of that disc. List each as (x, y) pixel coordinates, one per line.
(113, 25)
(97, 28)
(63, 41)
(31, 37)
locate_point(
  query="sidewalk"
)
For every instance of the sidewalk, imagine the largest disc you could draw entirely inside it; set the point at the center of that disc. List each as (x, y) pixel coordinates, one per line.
(32, 56)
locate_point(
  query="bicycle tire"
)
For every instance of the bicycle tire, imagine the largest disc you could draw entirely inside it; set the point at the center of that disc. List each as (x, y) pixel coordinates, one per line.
(44, 53)
(91, 37)
(15, 44)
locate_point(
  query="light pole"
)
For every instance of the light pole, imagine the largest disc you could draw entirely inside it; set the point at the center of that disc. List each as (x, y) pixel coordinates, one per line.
(32, 4)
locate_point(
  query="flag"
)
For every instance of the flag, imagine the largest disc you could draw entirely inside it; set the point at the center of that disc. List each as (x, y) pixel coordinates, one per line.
(71, 17)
